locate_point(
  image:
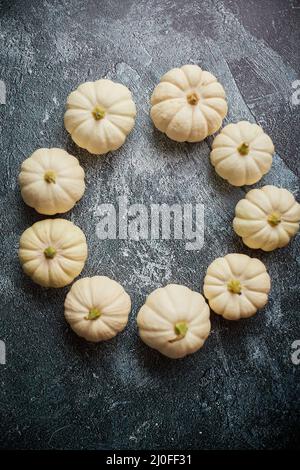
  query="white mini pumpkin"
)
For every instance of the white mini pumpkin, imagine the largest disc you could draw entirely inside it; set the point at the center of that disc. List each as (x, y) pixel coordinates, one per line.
(53, 252)
(51, 181)
(100, 115)
(267, 218)
(174, 320)
(97, 308)
(188, 104)
(236, 286)
(242, 153)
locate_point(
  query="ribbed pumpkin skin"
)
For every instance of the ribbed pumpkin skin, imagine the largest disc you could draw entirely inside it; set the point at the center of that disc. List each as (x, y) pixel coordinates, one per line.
(54, 196)
(188, 104)
(267, 218)
(102, 295)
(109, 131)
(242, 167)
(164, 308)
(254, 281)
(70, 246)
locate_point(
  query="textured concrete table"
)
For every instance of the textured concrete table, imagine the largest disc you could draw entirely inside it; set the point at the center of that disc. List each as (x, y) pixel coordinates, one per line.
(57, 391)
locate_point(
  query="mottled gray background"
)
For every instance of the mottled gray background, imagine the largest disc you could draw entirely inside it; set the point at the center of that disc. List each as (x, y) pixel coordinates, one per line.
(57, 391)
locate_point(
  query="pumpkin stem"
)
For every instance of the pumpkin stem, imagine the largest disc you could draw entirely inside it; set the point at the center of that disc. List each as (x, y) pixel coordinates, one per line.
(274, 219)
(50, 176)
(93, 314)
(234, 286)
(49, 252)
(243, 149)
(180, 329)
(192, 98)
(98, 113)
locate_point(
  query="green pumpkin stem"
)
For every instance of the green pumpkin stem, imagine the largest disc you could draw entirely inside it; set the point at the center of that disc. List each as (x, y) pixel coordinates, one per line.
(98, 113)
(93, 314)
(180, 329)
(50, 176)
(49, 252)
(192, 98)
(234, 286)
(274, 219)
(243, 149)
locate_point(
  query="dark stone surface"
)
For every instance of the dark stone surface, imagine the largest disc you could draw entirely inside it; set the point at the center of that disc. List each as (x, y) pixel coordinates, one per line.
(56, 391)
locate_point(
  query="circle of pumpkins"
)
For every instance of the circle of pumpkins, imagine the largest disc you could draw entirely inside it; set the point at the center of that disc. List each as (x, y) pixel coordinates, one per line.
(187, 105)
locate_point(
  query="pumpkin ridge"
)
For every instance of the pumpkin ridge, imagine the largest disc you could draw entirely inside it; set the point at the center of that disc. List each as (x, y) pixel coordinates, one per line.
(200, 320)
(172, 83)
(221, 146)
(74, 307)
(109, 327)
(261, 162)
(167, 291)
(42, 160)
(152, 307)
(115, 300)
(68, 160)
(229, 266)
(95, 94)
(69, 257)
(242, 275)
(254, 163)
(84, 95)
(214, 297)
(265, 202)
(34, 229)
(250, 302)
(118, 128)
(82, 123)
(204, 120)
(28, 185)
(67, 192)
(216, 164)
(168, 80)
(270, 240)
(74, 315)
(51, 278)
(77, 107)
(170, 99)
(193, 298)
(209, 102)
(257, 289)
(66, 269)
(256, 206)
(213, 279)
(76, 295)
(26, 169)
(243, 132)
(255, 234)
(67, 243)
(211, 108)
(257, 305)
(249, 279)
(288, 209)
(192, 125)
(67, 177)
(73, 127)
(160, 318)
(172, 119)
(52, 239)
(118, 102)
(201, 334)
(34, 270)
(209, 130)
(289, 223)
(187, 77)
